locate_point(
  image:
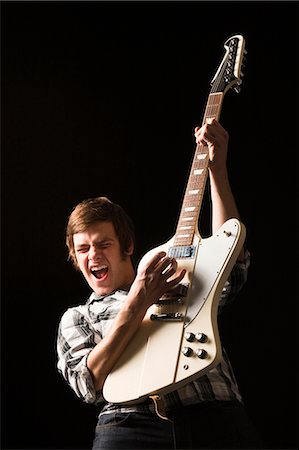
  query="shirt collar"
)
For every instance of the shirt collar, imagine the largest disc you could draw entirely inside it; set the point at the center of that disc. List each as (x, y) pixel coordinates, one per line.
(98, 298)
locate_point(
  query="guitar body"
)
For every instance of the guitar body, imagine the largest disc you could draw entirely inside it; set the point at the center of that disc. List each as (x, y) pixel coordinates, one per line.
(153, 361)
(178, 340)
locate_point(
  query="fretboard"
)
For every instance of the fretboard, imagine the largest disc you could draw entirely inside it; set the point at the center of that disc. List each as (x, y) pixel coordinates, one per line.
(187, 223)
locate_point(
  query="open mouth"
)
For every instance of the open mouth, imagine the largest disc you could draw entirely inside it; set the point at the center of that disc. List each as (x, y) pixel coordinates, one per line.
(100, 272)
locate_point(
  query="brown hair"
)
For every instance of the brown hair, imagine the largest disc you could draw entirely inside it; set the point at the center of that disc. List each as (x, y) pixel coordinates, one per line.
(99, 209)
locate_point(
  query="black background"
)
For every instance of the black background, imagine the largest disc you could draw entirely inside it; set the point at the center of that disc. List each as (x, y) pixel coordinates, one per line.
(102, 99)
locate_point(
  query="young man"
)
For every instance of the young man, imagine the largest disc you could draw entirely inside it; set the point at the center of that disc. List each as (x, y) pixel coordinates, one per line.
(207, 413)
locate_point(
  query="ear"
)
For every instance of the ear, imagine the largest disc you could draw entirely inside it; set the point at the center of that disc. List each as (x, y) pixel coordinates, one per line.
(130, 250)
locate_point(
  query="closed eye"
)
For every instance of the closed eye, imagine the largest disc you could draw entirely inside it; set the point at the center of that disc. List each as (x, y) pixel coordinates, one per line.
(86, 248)
(105, 245)
(82, 249)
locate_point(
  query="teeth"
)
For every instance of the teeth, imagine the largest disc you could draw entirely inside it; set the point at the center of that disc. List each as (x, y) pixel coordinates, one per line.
(99, 271)
(95, 269)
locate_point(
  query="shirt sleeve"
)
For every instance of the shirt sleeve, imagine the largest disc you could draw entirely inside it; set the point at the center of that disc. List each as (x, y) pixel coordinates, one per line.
(75, 340)
(235, 282)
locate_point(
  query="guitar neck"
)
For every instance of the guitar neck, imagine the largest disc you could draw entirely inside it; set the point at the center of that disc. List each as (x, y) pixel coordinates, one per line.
(188, 219)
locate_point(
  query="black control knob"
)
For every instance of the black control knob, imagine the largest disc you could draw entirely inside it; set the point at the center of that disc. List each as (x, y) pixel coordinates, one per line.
(189, 336)
(201, 353)
(201, 337)
(187, 351)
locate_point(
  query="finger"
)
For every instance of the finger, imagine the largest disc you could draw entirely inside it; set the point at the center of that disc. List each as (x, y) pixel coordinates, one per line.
(210, 120)
(217, 128)
(152, 263)
(167, 265)
(199, 137)
(176, 280)
(169, 272)
(206, 135)
(213, 136)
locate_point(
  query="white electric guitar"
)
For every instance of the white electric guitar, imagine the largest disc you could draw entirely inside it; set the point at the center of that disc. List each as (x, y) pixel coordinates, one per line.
(178, 340)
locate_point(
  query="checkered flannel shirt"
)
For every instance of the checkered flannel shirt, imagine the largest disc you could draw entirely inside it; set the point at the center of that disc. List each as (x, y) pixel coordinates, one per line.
(82, 327)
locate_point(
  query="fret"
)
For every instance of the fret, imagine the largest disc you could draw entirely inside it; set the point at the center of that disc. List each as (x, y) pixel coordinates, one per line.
(187, 223)
(202, 156)
(188, 216)
(193, 187)
(187, 219)
(200, 164)
(194, 184)
(198, 178)
(213, 106)
(190, 203)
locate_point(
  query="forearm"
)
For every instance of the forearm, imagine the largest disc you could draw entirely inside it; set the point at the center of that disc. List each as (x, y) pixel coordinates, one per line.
(106, 353)
(223, 202)
(224, 206)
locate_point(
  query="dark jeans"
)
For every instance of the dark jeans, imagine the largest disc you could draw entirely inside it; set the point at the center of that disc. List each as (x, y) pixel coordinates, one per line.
(214, 425)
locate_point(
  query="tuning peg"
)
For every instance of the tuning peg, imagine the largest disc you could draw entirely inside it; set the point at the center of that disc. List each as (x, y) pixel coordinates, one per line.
(237, 88)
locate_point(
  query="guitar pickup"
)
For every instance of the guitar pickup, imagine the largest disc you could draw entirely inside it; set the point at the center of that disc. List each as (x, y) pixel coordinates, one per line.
(168, 316)
(181, 290)
(175, 296)
(164, 301)
(182, 251)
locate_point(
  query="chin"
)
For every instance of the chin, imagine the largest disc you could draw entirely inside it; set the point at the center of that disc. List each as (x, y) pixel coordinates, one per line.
(105, 290)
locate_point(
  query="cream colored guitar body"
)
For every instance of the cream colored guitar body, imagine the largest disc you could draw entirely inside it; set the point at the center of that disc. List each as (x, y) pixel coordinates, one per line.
(153, 362)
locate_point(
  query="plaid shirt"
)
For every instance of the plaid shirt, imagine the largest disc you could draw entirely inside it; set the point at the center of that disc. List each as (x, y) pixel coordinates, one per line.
(82, 327)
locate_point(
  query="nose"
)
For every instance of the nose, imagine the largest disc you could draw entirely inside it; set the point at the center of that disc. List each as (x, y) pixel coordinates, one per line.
(93, 254)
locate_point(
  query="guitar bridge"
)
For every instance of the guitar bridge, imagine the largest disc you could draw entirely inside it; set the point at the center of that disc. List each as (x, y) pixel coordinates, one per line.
(168, 316)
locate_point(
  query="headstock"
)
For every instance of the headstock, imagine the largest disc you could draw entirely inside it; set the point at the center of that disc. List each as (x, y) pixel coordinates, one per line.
(229, 74)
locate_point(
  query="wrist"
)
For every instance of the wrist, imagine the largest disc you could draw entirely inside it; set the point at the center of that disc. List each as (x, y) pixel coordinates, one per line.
(135, 305)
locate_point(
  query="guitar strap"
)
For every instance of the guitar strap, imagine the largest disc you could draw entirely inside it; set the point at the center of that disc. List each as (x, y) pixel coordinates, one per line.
(159, 406)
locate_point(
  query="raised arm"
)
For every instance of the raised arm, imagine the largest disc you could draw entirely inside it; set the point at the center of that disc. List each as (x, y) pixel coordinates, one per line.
(223, 202)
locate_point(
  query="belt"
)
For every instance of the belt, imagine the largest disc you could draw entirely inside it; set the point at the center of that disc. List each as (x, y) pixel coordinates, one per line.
(154, 405)
(143, 408)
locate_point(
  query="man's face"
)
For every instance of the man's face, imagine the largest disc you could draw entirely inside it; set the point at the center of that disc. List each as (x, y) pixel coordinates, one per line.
(100, 260)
